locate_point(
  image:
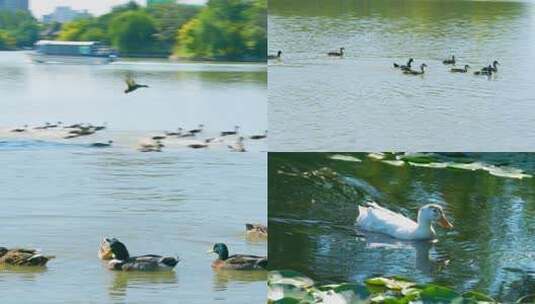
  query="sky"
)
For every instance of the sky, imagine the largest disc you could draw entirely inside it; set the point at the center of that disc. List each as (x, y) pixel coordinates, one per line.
(95, 7)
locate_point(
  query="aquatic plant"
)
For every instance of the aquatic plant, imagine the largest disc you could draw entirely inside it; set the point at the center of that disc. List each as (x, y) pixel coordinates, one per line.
(288, 287)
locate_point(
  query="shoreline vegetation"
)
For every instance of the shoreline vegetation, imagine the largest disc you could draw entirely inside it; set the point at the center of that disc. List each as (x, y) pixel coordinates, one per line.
(221, 30)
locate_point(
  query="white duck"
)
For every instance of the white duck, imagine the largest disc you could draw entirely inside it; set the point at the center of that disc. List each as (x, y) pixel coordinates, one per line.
(375, 218)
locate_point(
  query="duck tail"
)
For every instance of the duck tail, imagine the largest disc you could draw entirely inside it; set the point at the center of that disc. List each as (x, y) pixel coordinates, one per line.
(39, 260)
(396, 65)
(170, 261)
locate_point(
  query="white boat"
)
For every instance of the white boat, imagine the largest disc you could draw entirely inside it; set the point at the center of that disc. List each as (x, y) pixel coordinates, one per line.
(72, 52)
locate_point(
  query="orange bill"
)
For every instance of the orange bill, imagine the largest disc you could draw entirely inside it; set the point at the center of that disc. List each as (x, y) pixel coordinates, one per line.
(444, 223)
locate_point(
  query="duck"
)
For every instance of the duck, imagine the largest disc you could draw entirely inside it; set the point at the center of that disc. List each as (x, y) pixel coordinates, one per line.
(20, 130)
(278, 56)
(484, 71)
(102, 127)
(236, 261)
(156, 146)
(449, 61)
(102, 145)
(199, 145)
(413, 72)
(73, 126)
(167, 133)
(51, 126)
(238, 146)
(259, 136)
(457, 70)
(337, 54)
(43, 127)
(181, 134)
(23, 257)
(159, 137)
(256, 230)
(132, 85)
(122, 261)
(227, 133)
(198, 130)
(404, 67)
(375, 218)
(493, 68)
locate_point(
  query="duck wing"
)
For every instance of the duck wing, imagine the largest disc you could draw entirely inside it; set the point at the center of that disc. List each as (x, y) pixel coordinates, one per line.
(243, 262)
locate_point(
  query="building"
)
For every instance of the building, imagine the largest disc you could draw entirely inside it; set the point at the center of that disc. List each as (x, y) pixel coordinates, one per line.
(64, 14)
(14, 5)
(153, 2)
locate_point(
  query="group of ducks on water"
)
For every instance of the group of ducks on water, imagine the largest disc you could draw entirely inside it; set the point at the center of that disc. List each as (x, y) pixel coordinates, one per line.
(156, 142)
(118, 257)
(407, 68)
(156, 145)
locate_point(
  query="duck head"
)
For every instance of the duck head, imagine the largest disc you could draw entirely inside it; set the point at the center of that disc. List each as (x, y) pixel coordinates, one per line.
(279, 53)
(466, 67)
(118, 249)
(495, 63)
(433, 213)
(221, 250)
(410, 61)
(422, 66)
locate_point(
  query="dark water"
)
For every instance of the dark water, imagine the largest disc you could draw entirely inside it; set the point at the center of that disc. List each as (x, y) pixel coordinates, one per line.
(361, 103)
(313, 206)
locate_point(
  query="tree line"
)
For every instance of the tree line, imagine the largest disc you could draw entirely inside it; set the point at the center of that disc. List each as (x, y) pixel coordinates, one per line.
(219, 30)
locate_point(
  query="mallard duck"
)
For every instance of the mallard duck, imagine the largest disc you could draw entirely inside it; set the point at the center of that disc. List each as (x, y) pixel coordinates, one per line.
(375, 218)
(198, 130)
(457, 70)
(102, 145)
(238, 146)
(256, 230)
(237, 261)
(449, 61)
(404, 67)
(413, 72)
(132, 85)
(259, 136)
(23, 257)
(484, 71)
(159, 137)
(493, 68)
(236, 130)
(337, 54)
(198, 146)
(121, 259)
(278, 56)
(20, 130)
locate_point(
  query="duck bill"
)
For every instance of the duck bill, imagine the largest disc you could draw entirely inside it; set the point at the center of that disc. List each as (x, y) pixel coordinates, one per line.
(210, 251)
(444, 223)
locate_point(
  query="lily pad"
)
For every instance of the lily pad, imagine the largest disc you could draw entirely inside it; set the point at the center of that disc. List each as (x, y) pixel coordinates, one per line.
(289, 277)
(390, 283)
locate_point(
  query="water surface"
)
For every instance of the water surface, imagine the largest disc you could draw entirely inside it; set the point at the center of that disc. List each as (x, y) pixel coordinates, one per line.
(312, 209)
(361, 102)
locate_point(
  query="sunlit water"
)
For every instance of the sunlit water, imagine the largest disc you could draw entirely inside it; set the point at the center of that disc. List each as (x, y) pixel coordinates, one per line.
(63, 197)
(361, 102)
(313, 207)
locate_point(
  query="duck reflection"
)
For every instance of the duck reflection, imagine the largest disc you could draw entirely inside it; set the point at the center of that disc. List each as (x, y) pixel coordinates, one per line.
(123, 280)
(224, 277)
(26, 273)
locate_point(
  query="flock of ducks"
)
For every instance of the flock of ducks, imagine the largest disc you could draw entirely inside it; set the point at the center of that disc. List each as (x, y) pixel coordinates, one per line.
(407, 68)
(119, 258)
(156, 142)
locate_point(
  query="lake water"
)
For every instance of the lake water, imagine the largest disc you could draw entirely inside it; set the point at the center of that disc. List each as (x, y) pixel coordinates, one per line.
(63, 197)
(362, 103)
(313, 207)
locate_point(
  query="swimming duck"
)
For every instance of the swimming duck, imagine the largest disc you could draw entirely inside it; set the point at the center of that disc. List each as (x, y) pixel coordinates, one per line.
(102, 145)
(484, 71)
(256, 229)
(375, 218)
(20, 130)
(132, 85)
(238, 146)
(99, 128)
(156, 146)
(43, 127)
(278, 56)
(449, 61)
(493, 68)
(337, 54)
(23, 257)
(457, 70)
(173, 133)
(198, 146)
(260, 136)
(124, 262)
(236, 261)
(404, 67)
(198, 130)
(159, 137)
(413, 72)
(51, 126)
(226, 133)
(73, 126)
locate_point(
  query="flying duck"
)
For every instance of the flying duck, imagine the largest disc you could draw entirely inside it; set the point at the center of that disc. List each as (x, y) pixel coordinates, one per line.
(404, 67)
(132, 85)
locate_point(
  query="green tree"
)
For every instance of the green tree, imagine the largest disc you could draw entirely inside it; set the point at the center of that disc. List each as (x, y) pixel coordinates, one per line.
(7, 41)
(21, 26)
(132, 32)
